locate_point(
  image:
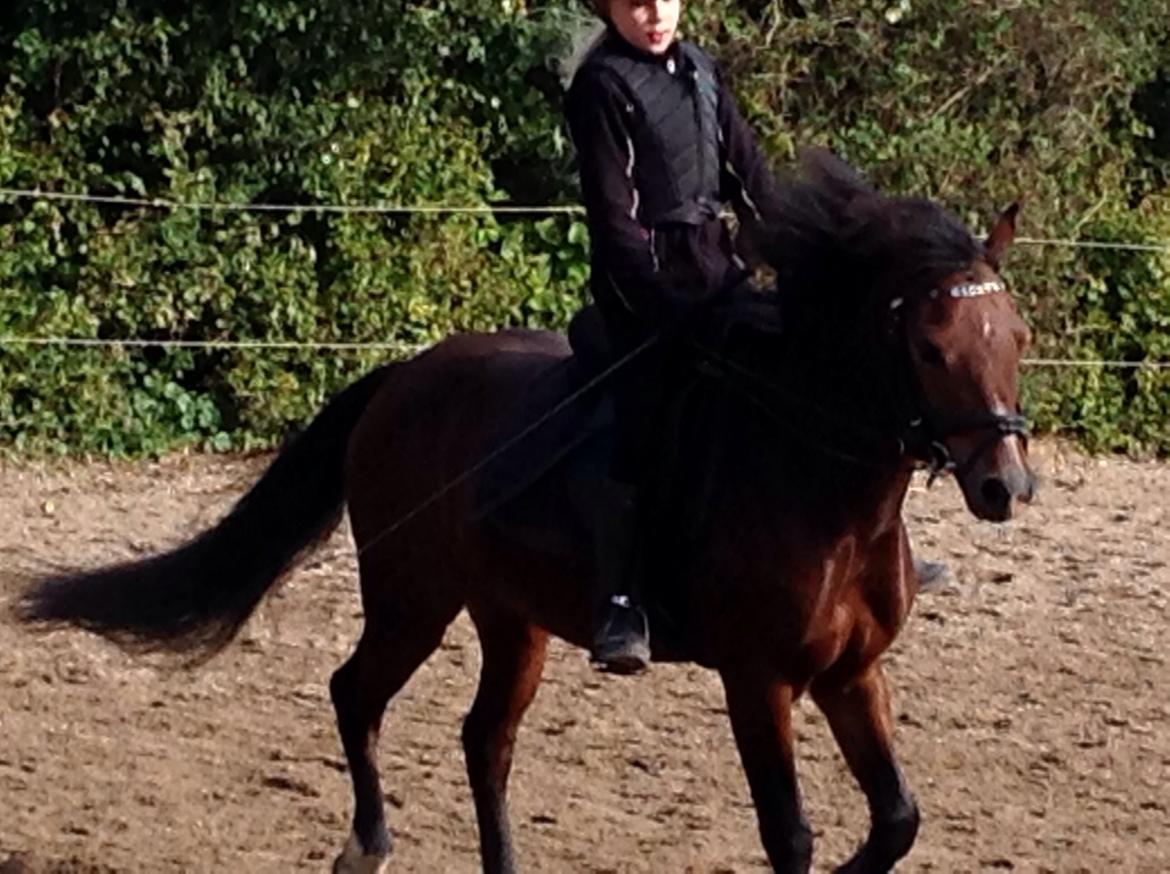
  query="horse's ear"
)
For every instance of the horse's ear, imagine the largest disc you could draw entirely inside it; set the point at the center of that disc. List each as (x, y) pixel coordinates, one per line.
(1002, 236)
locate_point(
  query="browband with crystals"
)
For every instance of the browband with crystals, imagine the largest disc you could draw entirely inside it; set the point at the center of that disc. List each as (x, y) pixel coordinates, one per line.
(976, 289)
(970, 289)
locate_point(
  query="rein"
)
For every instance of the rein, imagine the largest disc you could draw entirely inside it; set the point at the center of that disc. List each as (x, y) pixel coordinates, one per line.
(923, 434)
(521, 435)
(921, 438)
(751, 385)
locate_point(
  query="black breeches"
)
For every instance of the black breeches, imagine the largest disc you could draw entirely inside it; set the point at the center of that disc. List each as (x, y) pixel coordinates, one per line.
(644, 393)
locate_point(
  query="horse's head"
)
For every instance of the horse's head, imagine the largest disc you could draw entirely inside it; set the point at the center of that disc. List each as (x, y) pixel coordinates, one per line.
(963, 340)
(901, 314)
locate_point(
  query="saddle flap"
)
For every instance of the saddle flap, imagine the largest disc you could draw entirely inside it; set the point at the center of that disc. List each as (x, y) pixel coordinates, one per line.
(522, 461)
(589, 340)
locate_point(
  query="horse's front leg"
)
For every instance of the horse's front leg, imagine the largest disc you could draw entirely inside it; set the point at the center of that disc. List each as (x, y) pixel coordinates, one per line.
(859, 715)
(761, 718)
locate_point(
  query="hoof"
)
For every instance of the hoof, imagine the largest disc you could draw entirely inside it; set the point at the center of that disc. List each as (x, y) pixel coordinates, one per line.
(355, 860)
(933, 576)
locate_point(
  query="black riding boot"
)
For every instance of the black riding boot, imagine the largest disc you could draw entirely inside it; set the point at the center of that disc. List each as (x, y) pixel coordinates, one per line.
(621, 640)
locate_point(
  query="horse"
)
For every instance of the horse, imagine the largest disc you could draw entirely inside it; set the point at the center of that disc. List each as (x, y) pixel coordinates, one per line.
(899, 346)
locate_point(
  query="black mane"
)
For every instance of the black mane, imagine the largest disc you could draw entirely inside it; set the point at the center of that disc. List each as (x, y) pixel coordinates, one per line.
(834, 236)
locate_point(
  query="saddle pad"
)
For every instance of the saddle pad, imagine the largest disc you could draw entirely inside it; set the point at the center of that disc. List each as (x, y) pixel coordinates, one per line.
(515, 492)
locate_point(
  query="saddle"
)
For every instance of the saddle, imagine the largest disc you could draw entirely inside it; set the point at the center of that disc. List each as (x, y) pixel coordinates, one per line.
(540, 489)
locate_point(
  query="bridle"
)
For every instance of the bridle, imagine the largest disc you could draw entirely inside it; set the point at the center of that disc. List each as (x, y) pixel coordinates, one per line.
(925, 432)
(922, 432)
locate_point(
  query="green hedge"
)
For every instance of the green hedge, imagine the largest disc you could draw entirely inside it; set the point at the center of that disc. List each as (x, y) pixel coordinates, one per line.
(382, 101)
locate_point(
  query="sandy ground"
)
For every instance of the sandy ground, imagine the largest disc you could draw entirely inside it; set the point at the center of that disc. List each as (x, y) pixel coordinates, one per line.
(1033, 709)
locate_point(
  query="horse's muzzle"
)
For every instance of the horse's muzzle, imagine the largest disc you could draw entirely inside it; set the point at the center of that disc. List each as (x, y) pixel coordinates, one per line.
(997, 492)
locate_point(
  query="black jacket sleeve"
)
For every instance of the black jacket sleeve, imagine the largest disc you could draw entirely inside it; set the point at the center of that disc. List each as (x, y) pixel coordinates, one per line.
(746, 181)
(598, 115)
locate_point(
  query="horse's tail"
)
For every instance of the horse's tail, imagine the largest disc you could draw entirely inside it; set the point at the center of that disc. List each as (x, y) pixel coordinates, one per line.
(194, 599)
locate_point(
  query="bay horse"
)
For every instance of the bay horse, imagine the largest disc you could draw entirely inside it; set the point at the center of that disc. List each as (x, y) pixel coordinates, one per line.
(899, 346)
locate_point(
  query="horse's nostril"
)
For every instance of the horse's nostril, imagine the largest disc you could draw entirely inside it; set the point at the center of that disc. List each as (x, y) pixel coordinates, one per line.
(995, 493)
(1029, 490)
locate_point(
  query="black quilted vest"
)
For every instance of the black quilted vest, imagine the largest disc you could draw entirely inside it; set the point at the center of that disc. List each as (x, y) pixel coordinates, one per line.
(672, 106)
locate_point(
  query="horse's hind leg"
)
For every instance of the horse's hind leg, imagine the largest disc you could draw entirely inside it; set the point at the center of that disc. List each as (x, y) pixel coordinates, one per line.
(513, 658)
(859, 715)
(393, 644)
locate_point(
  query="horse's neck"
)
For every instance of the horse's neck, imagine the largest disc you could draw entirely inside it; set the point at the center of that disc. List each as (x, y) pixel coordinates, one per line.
(847, 376)
(859, 489)
(835, 384)
(831, 435)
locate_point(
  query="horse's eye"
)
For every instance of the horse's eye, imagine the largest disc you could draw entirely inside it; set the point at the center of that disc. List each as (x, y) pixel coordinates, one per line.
(931, 354)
